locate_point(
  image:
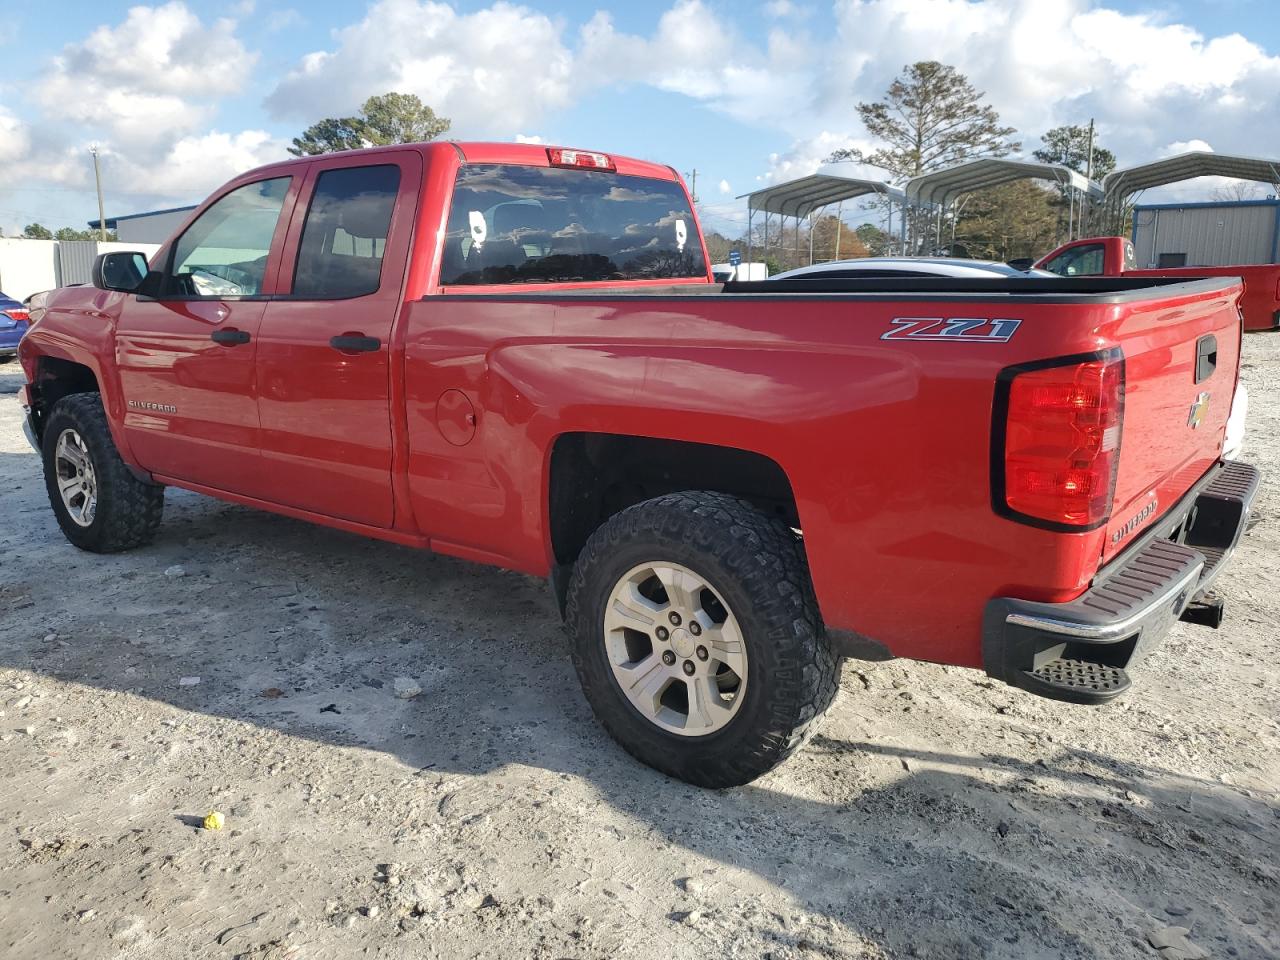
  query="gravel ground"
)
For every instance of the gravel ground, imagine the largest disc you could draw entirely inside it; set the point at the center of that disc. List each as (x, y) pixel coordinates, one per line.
(936, 815)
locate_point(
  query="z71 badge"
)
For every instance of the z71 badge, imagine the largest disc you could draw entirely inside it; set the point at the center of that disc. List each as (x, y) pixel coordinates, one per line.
(952, 329)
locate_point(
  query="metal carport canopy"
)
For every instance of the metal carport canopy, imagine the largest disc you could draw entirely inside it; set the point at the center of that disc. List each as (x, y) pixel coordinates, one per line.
(799, 198)
(943, 186)
(1188, 166)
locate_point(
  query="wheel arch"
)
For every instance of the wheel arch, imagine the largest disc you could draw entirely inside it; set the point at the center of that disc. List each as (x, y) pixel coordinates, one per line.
(55, 378)
(593, 476)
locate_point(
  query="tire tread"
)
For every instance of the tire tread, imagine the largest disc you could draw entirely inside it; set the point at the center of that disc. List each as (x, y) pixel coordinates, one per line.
(130, 510)
(769, 557)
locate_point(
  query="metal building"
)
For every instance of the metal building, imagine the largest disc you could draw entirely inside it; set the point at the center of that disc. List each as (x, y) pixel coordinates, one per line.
(1207, 234)
(155, 226)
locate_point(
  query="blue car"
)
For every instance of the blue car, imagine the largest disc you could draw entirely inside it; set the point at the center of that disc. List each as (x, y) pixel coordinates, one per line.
(14, 321)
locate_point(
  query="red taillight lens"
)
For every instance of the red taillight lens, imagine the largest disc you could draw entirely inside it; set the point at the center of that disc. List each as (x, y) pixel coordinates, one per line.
(19, 316)
(580, 159)
(1062, 442)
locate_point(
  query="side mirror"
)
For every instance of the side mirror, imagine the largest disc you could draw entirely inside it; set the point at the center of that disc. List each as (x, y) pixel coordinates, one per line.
(1021, 263)
(122, 270)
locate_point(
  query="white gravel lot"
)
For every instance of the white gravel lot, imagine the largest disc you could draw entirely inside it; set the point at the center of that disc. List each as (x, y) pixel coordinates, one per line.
(936, 814)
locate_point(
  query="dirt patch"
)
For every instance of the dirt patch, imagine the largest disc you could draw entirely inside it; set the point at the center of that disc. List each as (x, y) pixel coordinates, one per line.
(266, 669)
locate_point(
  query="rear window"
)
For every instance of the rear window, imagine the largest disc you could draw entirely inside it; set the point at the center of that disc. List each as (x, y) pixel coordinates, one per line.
(516, 224)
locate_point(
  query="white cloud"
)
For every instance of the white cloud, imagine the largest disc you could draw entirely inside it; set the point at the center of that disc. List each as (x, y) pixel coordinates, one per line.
(698, 52)
(1045, 63)
(724, 187)
(194, 165)
(491, 71)
(145, 91)
(781, 9)
(528, 138)
(278, 20)
(1041, 63)
(15, 140)
(157, 73)
(1182, 146)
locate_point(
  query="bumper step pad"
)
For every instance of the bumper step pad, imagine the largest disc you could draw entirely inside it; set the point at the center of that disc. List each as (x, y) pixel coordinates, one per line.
(1077, 681)
(1078, 651)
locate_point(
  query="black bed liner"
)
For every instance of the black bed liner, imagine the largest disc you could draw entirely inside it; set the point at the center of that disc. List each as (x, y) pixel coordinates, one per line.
(1092, 290)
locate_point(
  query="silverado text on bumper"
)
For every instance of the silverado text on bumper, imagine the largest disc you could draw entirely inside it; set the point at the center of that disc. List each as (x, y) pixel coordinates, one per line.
(1078, 651)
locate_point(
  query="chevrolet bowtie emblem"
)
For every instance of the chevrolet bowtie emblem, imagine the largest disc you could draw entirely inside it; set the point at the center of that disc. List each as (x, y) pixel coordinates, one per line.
(1198, 410)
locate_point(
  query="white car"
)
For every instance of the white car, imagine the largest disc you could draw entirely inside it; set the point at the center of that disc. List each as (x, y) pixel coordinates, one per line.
(725, 272)
(867, 268)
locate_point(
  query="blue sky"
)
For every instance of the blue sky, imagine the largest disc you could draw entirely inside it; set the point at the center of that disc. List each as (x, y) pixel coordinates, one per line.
(182, 95)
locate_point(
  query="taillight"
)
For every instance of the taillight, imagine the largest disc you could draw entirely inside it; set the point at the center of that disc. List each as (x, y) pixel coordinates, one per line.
(580, 159)
(16, 315)
(1057, 441)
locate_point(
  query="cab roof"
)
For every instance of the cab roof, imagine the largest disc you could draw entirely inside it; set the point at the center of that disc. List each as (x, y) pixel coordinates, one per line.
(522, 154)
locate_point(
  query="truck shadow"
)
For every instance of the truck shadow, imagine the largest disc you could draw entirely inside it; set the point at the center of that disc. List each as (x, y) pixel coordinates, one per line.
(908, 852)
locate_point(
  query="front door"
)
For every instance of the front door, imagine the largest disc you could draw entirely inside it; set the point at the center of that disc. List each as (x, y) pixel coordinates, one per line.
(186, 357)
(324, 347)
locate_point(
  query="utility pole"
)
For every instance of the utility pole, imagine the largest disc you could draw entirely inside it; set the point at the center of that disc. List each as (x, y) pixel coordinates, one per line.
(1088, 174)
(97, 179)
(693, 187)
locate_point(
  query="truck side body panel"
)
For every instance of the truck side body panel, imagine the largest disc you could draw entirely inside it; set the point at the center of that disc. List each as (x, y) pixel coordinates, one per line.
(885, 443)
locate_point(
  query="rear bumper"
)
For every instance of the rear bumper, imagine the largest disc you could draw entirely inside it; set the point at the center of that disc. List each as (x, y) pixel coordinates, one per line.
(1079, 651)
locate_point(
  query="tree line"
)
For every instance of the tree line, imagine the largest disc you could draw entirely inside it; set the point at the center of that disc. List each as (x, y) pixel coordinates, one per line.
(932, 117)
(38, 231)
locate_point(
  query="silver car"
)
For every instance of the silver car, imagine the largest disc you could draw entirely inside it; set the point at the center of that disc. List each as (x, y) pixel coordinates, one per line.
(868, 268)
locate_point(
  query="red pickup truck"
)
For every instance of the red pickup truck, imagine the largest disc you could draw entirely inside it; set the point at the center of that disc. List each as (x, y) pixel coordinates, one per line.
(1114, 257)
(517, 355)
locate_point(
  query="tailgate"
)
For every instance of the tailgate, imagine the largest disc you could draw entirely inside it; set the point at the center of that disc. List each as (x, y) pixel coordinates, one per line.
(1181, 361)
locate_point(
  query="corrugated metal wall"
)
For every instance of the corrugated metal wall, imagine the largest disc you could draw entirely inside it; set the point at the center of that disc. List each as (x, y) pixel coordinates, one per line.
(1210, 235)
(75, 261)
(75, 257)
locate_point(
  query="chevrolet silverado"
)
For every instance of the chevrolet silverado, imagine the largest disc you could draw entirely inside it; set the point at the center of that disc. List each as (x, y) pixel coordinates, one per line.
(516, 355)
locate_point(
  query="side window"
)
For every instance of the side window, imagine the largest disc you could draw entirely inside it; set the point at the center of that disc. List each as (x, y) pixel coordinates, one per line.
(224, 252)
(1080, 262)
(345, 234)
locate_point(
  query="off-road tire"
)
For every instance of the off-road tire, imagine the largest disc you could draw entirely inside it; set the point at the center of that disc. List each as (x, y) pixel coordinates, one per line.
(128, 510)
(756, 563)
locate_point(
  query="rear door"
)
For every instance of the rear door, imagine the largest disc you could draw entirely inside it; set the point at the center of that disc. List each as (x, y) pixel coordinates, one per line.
(186, 357)
(323, 361)
(1181, 360)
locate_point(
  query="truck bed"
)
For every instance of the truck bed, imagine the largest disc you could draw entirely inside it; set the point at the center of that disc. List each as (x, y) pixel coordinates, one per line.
(1034, 289)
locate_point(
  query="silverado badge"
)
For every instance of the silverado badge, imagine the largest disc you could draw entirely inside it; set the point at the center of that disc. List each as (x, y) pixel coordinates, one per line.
(1198, 410)
(148, 405)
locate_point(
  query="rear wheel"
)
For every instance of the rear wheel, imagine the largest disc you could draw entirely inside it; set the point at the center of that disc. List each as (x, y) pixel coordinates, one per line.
(697, 638)
(100, 505)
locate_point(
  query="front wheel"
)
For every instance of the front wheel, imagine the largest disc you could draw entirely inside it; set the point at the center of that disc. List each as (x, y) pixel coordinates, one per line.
(697, 638)
(99, 504)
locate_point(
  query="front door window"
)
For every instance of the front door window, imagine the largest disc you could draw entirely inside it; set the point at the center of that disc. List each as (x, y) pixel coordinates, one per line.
(224, 252)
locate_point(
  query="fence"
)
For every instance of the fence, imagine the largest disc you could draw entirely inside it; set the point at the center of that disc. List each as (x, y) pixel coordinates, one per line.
(29, 266)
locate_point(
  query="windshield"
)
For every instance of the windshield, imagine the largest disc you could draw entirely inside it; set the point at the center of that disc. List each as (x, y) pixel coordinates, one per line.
(516, 224)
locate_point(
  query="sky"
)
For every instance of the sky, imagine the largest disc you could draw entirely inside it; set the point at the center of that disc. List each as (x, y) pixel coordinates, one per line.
(180, 96)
